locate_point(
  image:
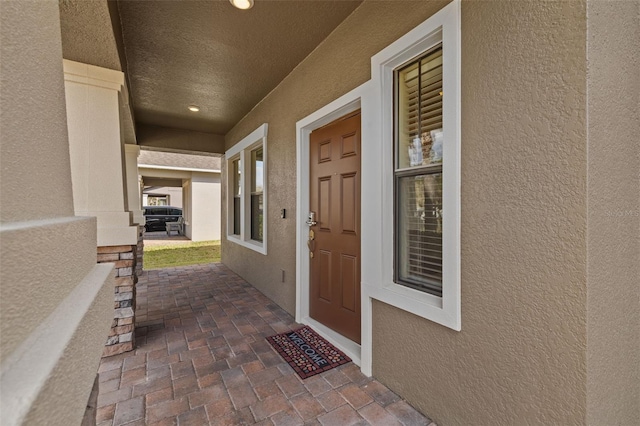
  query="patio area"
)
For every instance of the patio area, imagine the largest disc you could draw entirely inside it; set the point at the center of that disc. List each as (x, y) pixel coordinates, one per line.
(161, 237)
(201, 358)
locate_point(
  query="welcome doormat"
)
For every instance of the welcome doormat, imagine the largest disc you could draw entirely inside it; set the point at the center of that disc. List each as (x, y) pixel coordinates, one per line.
(306, 352)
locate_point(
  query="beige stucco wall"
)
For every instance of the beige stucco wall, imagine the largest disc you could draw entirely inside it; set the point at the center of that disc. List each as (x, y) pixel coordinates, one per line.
(613, 236)
(17, 153)
(341, 63)
(521, 356)
(56, 303)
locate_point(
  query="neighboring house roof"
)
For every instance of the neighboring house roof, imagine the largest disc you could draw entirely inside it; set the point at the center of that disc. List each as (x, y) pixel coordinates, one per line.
(178, 160)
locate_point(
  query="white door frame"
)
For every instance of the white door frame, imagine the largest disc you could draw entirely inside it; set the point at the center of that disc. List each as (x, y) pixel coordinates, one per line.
(342, 106)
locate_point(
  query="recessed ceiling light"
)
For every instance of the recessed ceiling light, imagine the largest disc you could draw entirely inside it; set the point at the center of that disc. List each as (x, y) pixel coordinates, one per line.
(193, 108)
(242, 4)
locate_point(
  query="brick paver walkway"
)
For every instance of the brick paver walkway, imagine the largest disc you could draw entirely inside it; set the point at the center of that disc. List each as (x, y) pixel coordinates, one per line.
(201, 358)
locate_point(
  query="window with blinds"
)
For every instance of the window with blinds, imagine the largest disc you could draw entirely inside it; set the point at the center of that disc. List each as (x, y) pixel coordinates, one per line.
(418, 173)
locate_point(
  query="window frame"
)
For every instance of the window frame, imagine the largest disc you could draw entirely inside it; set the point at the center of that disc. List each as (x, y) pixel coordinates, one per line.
(402, 172)
(443, 27)
(242, 152)
(254, 188)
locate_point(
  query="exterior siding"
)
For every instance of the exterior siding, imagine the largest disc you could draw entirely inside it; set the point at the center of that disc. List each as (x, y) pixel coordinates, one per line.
(522, 354)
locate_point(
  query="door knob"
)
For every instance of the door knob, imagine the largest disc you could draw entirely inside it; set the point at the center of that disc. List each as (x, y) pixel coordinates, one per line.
(311, 220)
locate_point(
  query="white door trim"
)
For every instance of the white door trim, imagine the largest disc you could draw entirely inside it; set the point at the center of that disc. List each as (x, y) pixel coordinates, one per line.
(347, 103)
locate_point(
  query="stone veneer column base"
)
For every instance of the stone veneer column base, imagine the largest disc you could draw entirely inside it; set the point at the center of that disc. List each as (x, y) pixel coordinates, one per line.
(122, 334)
(140, 251)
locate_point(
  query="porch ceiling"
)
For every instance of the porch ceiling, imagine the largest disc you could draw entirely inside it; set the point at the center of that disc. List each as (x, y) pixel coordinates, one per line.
(205, 53)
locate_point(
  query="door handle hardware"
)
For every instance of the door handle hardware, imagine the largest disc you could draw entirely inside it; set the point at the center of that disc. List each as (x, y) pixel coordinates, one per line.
(311, 244)
(311, 220)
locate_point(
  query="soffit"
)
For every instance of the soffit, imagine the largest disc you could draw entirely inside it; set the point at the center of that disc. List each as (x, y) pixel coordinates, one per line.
(175, 159)
(212, 55)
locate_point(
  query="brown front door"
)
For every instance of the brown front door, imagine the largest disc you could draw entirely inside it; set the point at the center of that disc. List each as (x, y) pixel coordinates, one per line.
(334, 241)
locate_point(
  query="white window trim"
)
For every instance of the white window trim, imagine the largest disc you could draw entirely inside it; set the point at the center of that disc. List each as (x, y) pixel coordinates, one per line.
(242, 150)
(444, 26)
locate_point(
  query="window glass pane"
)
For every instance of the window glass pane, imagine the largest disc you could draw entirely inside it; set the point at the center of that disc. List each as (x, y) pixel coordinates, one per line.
(236, 178)
(257, 184)
(419, 232)
(236, 215)
(159, 212)
(257, 170)
(237, 190)
(419, 111)
(256, 217)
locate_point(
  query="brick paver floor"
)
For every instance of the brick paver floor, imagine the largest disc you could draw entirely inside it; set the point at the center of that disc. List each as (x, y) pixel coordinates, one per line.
(201, 358)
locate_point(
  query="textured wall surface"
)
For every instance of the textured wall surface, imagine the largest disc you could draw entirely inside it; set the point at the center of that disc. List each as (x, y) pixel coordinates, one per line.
(520, 357)
(186, 140)
(87, 33)
(341, 63)
(613, 321)
(28, 293)
(29, 96)
(528, 169)
(55, 308)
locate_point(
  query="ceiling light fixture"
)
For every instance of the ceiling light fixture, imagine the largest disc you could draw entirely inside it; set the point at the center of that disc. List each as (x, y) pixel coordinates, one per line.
(242, 4)
(193, 108)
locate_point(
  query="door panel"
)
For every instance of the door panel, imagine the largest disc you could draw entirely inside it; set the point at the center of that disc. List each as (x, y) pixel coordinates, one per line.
(335, 197)
(325, 275)
(349, 275)
(350, 144)
(348, 191)
(324, 208)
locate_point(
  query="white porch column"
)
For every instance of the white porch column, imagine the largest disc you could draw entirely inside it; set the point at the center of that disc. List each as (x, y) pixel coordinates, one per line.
(133, 182)
(96, 150)
(186, 207)
(205, 206)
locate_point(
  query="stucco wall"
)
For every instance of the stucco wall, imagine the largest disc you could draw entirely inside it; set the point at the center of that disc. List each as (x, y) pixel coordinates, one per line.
(521, 354)
(57, 304)
(341, 63)
(175, 195)
(613, 297)
(520, 357)
(41, 98)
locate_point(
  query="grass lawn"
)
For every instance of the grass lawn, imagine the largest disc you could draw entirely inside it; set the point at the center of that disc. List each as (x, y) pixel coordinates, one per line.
(169, 255)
